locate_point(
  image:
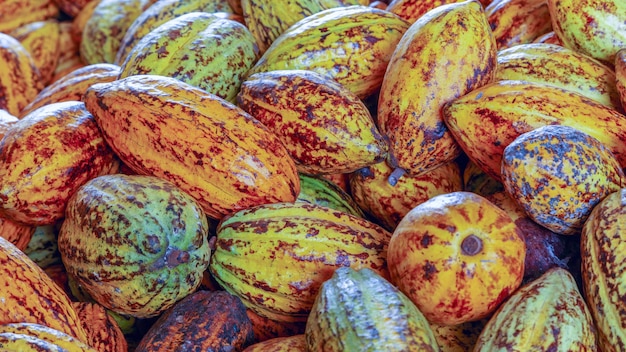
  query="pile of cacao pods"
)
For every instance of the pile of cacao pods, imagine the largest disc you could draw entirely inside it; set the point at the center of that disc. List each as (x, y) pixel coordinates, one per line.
(312, 175)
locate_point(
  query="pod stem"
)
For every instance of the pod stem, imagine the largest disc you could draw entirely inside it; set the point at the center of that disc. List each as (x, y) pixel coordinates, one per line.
(395, 176)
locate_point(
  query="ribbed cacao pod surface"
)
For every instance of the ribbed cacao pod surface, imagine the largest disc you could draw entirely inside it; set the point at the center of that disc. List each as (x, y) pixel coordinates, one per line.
(620, 75)
(516, 22)
(41, 40)
(199, 48)
(420, 79)
(33, 337)
(16, 233)
(546, 314)
(325, 127)
(105, 28)
(20, 80)
(412, 10)
(210, 148)
(558, 174)
(202, 321)
(320, 191)
(457, 256)
(275, 256)
(29, 295)
(387, 203)
(45, 157)
(603, 273)
(103, 332)
(72, 86)
(159, 13)
(351, 45)
(358, 310)
(140, 256)
(265, 328)
(16, 13)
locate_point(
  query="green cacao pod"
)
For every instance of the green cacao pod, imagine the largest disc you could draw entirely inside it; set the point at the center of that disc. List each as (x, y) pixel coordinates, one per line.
(320, 191)
(136, 244)
(361, 311)
(198, 48)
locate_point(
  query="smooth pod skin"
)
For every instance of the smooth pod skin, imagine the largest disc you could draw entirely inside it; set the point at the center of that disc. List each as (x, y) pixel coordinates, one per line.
(596, 28)
(72, 86)
(293, 343)
(557, 174)
(603, 270)
(516, 22)
(45, 157)
(211, 149)
(325, 127)
(140, 256)
(421, 78)
(105, 28)
(29, 295)
(561, 67)
(489, 118)
(159, 13)
(620, 75)
(351, 45)
(275, 256)
(202, 321)
(41, 40)
(457, 256)
(198, 48)
(361, 311)
(20, 80)
(388, 204)
(548, 314)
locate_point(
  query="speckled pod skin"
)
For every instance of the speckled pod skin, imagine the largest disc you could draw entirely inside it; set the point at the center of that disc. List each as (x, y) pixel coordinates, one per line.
(103, 332)
(620, 75)
(548, 314)
(412, 10)
(557, 174)
(458, 338)
(42, 247)
(136, 244)
(202, 321)
(29, 295)
(69, 59)
(351, 45)
(16, 13)
(45, 157)
(361, 311)
(294, 343)
(596, 28)
(561, 67)
(457, 256)
(421, 77)
(276, 256)
(267, 19)
(31, 337)
(516, 22)
(107, 25)
(265, 328)
(604, 277)
(325, 127)
(20, 80)
(320, 191)
(41, 40)
(159, 13)
(213, 150)
(548, 38)
(488, 119)
(198, 48)
(388, 204)
(16, 233)
(73, 85)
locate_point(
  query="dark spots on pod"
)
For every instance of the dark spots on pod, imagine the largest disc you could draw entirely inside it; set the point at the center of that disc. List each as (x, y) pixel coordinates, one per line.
(264, 286)
(430, 270)
(426, 240)
(432, 134)
(152, 244)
